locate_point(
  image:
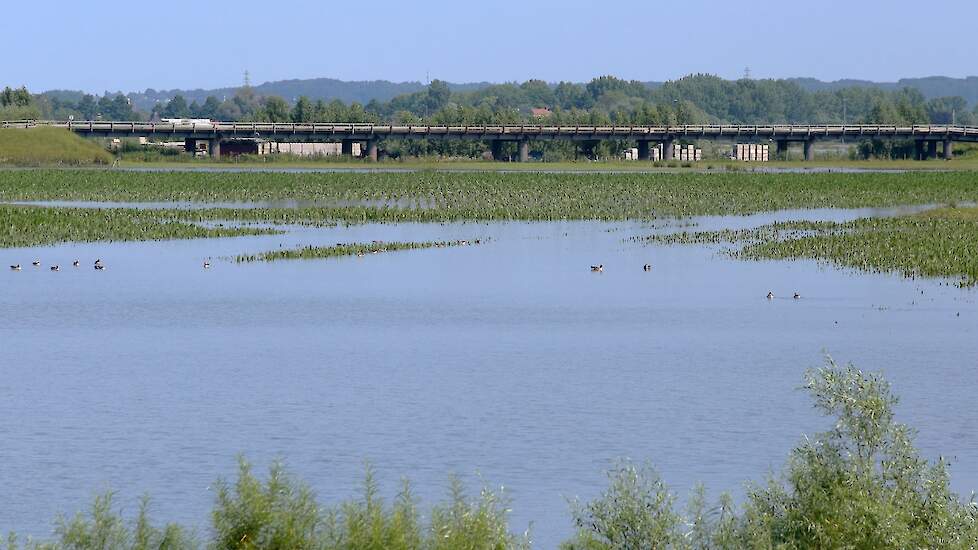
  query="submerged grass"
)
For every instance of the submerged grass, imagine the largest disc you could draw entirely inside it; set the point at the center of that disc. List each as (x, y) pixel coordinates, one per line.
(934, 243)
(340, 249)
(500, 196)
(22, 226)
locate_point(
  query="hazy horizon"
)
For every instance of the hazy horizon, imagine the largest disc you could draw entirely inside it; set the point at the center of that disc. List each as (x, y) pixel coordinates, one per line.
(550, 40)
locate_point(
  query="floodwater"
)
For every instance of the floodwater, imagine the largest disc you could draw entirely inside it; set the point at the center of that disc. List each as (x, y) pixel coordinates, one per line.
(508, 363)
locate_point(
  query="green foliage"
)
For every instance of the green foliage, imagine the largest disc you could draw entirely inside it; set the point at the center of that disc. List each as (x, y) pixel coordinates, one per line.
(48, 146)
(355, 249)
(480, 524)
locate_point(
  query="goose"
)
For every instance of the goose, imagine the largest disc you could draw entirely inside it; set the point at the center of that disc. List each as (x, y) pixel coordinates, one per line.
(770, 295)
(15, 267)
(599, 267)
(55, 268)
(36, 263)
(75, 263)
(796, 296)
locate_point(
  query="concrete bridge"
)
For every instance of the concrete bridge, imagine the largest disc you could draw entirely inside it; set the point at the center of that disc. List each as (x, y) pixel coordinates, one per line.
(926, 137)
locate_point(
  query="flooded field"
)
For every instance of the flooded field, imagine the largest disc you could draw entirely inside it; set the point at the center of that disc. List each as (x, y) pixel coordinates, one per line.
(510, 363)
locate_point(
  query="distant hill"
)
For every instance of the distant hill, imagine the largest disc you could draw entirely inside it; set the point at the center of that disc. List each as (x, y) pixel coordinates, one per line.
(930, 86)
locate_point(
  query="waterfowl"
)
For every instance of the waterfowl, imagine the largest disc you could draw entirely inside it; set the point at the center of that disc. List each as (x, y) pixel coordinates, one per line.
(770, 295)
(99, 267)
(647, 267)
(599, 267)
(55, 268)
(796, 296)
(15, 267)
(36, 263)
(207, 265)
(76, 263)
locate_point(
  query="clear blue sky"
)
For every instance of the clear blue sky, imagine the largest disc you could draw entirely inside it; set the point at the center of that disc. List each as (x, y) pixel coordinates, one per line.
(99, 45)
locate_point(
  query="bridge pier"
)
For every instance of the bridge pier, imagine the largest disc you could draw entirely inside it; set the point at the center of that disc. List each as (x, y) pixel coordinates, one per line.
(346, 147)
(524, 147)
(809, 150)
(782, 150)
(918, 150)
(668, 150)
(372, 150)
(948, 149)
(214, 147)
(644, 151)
(496, 146)
(931, 149)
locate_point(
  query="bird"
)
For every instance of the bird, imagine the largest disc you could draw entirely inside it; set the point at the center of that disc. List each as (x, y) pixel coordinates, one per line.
(99, 267)
(770, 295)
(98, 261)
(599, 267)
(76, 263)
(15, 267)
(796, 296)
(36, 263)
(55, 268)
(207, 265)
(647, 267)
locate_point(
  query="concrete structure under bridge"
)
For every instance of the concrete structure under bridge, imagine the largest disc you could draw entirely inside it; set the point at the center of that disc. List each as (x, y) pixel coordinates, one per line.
(926, 137)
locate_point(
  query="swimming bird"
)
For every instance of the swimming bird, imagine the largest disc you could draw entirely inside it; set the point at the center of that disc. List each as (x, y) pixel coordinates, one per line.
(76, 263)
(98, 261)
(207, 265)
(599, 267)
(796, 296)
(36, 263)
(770, 295)
(15, 267)
(99, 267)
(647, 267)
(55, 268)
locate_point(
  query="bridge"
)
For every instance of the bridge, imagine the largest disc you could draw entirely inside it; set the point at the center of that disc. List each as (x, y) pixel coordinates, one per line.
(925, 137)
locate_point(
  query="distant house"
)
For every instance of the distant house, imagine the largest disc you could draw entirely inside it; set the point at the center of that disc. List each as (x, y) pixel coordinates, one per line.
(540, 112)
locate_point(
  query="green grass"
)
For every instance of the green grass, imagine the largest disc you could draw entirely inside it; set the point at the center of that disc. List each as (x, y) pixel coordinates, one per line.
(48, 146)
(934, 243)
(353, 197)
(339, 250)
(23, 226)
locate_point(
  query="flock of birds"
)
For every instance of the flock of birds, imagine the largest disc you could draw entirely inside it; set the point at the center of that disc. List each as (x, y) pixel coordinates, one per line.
(99, 266)
(648, 267)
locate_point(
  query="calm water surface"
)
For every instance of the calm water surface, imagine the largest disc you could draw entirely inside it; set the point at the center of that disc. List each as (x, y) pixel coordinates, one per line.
(508, 362)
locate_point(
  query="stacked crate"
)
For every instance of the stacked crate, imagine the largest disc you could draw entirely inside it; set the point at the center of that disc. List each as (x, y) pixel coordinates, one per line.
(751, 152)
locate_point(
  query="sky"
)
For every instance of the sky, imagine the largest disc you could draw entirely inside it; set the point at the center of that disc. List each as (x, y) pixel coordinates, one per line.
(96, 45)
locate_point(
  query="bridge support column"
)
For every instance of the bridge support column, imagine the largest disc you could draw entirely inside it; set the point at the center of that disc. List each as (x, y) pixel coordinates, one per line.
(931, 149)
(782, 150)
(918, 150)
(644, 151)
(497, 149)
(809, 150)
(190, 145)
(346, 147)
(948, 149)
(372, 150)
(668, 150)
(524, 147)
(214, 147)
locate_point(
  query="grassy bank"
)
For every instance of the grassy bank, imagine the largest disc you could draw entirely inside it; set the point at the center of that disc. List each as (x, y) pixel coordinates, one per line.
(934, 243)
(48, 146)
(22, 226)
(360, 197)
(339, 250)
(862, 484)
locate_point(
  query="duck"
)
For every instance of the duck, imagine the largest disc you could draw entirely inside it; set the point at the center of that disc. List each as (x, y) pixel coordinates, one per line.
(36, 263)
(75, 263)
(647, 267)
(15, 267)
(207, 265)
(55, 268)
(599, 267)
(99, 267)
(770, 295)
(796, 296)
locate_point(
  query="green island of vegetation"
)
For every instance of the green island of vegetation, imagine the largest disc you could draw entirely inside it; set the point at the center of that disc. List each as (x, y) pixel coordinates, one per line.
(934, 243)
(338, 250)
(48, 147)
(862, 484)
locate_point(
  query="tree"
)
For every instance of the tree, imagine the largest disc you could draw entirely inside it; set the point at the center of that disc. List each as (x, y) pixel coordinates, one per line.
(176, 108)
(303, 110)
(273, 109)
(438, 95)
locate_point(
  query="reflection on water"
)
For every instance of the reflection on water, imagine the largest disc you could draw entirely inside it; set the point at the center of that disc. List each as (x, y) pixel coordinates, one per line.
(511, 361)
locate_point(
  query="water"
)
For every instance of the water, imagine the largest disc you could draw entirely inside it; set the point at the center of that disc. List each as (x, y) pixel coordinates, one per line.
(508, 362)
